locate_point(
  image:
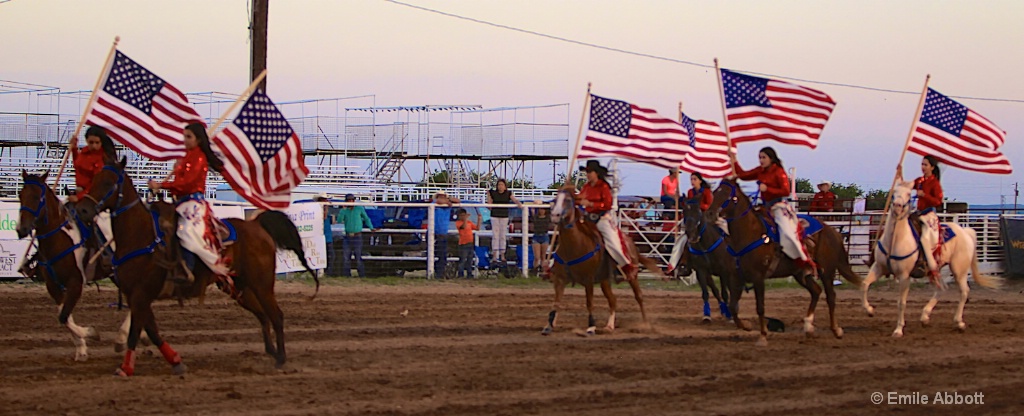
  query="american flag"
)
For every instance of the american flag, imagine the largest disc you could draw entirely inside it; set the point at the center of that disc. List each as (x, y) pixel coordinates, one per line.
(141, 110)
(959, 136)
(762, 108)
(621, 129)
(710, 154)
(262, 155)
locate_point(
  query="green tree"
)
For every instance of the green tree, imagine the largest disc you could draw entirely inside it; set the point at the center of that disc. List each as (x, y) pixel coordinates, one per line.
(876, 199)
(580, 180)
(847, 190)
(803, 186)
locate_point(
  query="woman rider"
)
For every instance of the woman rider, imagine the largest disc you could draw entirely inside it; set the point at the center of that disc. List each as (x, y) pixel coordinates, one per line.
(596, 198)
(196, 228)
(928, 189)
(700, 192)
(773, 184)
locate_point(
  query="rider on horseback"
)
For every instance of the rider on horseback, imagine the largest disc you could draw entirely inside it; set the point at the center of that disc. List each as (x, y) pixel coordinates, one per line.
(88, 161)
(197, 229)
(596, 198)
(699, 193)
(773, 184)
(928, 190)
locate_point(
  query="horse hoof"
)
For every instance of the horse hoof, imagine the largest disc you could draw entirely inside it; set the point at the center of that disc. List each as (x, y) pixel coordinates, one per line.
(119, 348)
(897, 334)
(179, 369)
(121, 373)
(762, 342)
(546, 331)
(81, 358)
(809, 333)
(591, 331)
(705, 320)
(92, 334)
(961, 326)
(838, 332)
(609, 329)
(925, 322)
(871, 311)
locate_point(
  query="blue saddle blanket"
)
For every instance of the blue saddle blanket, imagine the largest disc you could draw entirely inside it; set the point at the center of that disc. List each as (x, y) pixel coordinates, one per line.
(946, 233)
(810, 224)
(232, 234)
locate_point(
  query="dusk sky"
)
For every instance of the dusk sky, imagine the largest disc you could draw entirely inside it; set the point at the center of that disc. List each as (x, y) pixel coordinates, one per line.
(405, 56)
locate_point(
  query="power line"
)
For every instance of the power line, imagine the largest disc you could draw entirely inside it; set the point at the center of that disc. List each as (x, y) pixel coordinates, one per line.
(675, 60)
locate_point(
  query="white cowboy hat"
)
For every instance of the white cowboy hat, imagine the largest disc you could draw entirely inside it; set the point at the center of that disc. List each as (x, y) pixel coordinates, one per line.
(323, 195)
(829, 183)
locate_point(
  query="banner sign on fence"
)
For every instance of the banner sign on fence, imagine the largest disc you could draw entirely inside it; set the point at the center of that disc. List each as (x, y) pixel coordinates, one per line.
(12, 250)
(309, 219)
(1013, 242)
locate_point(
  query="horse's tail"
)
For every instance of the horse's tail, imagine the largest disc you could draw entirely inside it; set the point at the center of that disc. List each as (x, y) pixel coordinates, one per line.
(842, 258)
(282, 230)
(991, 282)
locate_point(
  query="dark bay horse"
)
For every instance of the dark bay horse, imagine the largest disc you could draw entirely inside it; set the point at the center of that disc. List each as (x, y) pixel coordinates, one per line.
(708, 256)
(757, 257)
(580, 259)
(138, 263)
(60, 255)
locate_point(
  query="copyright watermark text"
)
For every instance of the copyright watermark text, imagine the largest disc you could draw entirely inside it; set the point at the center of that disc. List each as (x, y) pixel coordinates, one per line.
(923, 398)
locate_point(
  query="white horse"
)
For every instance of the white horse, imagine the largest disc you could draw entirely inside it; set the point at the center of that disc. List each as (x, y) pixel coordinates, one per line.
(896, 252)
(960, 253)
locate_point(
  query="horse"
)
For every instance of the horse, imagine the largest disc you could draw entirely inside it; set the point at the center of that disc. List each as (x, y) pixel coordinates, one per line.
(139, 237)
(580, 259)
(61, 253)
(900, 235)
(758, 256)
(707, 256)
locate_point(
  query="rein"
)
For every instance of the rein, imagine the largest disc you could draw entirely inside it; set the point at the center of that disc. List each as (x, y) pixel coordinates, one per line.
(119, 209)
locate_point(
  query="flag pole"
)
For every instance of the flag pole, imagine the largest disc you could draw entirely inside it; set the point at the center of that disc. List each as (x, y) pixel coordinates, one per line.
(676, 228)
(725, 119)
(88, 107)
(569, 178)
(910, 136)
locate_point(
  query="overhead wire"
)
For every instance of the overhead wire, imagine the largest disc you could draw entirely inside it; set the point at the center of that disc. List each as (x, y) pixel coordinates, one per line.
(676, 60)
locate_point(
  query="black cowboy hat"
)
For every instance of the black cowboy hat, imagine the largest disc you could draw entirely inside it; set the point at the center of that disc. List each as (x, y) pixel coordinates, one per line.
(593, 165)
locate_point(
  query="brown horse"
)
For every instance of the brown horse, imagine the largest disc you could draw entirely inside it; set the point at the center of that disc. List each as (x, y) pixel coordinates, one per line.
(708, 256)
(579, 259)
(138, 265)
(758, 257)
(60, 255)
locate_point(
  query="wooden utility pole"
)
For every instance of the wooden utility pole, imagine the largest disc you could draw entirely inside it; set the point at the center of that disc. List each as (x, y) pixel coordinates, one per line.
(258, 33)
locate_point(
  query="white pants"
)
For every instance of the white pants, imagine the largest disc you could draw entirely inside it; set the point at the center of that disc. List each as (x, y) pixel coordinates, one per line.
(103, 222)
(499, 226)
(195, 237)
(612, 242)
(677, 250)
(785, 220)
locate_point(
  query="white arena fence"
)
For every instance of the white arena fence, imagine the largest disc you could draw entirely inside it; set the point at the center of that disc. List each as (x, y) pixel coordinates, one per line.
(406, 239)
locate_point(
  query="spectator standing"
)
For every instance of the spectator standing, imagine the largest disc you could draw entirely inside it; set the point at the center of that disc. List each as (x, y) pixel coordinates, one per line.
(354, 218)
(466, 245)
(670, 189)
(442, 221)
(499, 218)
(824, 200)
(540, 224)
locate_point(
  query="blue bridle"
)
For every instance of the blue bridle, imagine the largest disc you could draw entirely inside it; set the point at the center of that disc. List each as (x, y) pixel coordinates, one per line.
(118, 209)
(39, 213)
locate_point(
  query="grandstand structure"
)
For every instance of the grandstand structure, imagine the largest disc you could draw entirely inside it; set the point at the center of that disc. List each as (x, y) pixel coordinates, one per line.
(351, 145)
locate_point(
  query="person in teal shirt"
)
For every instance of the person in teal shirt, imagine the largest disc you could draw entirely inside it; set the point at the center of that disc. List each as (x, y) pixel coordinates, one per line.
(331, 269)
(354, 218)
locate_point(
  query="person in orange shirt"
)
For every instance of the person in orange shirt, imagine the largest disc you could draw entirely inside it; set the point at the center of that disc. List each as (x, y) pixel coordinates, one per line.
(196, 224)
(596, 198)
(670, 189)
(824, 200)
(773, 185)
(466, 245)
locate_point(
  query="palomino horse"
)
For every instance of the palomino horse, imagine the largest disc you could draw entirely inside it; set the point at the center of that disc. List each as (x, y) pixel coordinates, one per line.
(708, 257)
(138, 236)
(897, 250)
(580, 259)
(61, 253)
(758, 257)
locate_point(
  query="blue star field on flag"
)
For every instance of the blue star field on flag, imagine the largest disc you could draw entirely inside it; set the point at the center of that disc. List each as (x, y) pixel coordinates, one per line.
(132, 83)
(264, 125)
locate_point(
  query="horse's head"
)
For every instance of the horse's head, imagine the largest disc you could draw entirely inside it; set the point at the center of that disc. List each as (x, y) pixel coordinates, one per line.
(727, 199)
(563, 209)
(106, 191)
(901, 199)
(693, 220)
(33, 202)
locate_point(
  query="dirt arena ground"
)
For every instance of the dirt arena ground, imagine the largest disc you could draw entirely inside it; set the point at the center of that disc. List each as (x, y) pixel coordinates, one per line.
(475, 349)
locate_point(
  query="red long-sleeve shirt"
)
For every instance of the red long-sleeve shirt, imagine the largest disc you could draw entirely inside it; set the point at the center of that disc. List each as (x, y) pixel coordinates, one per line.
(189, 174)
(599, 195)
(705, 197)
(87, 164)
(823, 201)
(929, 192)
(774, 178)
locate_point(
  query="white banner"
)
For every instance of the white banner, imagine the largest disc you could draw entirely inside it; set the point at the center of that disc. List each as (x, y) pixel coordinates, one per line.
(309, 220)
(12, 250)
